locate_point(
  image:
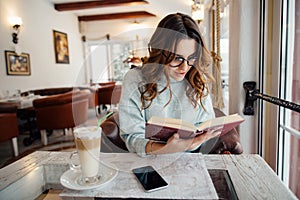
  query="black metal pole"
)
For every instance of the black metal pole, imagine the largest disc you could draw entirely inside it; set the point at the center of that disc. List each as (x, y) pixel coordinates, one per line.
(253, 94)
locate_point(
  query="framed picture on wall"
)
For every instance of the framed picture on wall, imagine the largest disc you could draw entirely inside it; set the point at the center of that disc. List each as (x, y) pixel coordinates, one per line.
(61, 47)
(17, 64)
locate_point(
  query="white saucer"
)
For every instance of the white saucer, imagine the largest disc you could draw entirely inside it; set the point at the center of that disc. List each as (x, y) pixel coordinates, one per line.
(68, 179)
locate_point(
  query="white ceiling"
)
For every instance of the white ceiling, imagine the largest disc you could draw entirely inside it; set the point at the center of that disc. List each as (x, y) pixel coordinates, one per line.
(158, 7)
(122, 28)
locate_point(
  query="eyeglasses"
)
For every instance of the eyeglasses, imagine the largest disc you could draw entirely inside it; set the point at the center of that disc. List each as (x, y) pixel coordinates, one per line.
(178, 60)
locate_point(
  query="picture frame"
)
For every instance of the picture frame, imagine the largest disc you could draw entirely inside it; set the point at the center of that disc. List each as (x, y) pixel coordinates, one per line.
(17, 64)
(61, 47)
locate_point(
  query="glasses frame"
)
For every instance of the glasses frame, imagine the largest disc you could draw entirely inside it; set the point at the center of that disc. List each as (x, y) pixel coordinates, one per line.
(183, 59)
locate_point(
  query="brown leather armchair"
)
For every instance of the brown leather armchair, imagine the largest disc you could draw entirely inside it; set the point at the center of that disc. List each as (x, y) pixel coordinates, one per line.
(109, 94)
(61, 111)
(48, 91)
(104, 83)
(9, 125)
(226, 144)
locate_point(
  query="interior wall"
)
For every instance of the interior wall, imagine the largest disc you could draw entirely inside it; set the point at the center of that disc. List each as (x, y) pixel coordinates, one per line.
(118, 29)
(36, 38)
(125, 29)
(243, 62)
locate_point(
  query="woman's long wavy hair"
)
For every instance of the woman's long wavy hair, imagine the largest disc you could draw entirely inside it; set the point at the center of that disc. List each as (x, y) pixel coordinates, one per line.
(162, 50)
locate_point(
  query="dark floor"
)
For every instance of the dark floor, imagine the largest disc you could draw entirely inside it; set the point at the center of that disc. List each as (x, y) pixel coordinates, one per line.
(57, 141)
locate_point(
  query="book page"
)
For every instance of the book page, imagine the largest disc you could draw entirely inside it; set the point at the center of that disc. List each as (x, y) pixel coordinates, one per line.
(171, 122)
(220, 121)
(159, 128)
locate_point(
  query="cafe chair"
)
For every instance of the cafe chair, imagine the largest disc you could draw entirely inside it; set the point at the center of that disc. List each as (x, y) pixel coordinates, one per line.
(111, 141)
(108, 94)
(62, 111)
(92, 96)
(9, 125)
(103, 83)
(48, 91)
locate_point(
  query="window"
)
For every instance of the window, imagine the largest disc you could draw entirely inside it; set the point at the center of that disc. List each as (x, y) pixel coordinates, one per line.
(289, 121)
(278, 127)
(106, 60)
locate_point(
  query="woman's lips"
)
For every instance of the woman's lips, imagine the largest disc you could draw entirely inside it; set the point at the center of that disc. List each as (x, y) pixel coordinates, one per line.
(181, 73)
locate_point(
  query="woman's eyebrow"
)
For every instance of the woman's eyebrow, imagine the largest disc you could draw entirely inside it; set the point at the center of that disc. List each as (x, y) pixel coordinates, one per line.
(178, 55)
(193, 54)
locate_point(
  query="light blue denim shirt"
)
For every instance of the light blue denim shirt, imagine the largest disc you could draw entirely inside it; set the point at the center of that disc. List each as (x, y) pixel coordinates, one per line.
(133, 119)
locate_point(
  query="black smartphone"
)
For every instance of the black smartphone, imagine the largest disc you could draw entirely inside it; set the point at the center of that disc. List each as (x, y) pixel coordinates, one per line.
(149, 178)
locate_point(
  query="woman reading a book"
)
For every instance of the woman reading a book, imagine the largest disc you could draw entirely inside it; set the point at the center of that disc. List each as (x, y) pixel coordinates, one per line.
(172, 83)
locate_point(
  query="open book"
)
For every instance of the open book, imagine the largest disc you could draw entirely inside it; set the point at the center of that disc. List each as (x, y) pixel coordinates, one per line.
(159, 128)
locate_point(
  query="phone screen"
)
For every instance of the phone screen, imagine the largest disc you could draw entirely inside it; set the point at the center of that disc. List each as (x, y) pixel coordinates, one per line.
(150, 179)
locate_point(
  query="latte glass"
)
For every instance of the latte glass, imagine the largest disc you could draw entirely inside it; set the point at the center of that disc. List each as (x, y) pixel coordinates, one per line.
(87, 140)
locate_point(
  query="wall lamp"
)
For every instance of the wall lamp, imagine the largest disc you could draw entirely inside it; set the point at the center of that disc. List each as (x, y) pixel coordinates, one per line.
(198, 11)
(16, 23)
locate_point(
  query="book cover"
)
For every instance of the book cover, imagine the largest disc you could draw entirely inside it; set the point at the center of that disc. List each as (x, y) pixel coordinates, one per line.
(158, 128)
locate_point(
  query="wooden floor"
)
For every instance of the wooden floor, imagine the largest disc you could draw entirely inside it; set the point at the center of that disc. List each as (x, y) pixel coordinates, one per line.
(57, 141)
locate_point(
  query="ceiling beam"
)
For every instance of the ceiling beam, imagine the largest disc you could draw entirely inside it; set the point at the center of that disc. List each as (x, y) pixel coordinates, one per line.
(126, 15)
(96, 4)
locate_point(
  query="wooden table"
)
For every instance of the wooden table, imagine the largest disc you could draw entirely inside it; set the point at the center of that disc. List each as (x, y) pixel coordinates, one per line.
(26, 116)
(186, 173)
(23, 102)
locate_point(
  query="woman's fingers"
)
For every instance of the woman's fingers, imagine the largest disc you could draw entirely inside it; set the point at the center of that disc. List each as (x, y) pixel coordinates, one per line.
(200, 139)
(177, 144)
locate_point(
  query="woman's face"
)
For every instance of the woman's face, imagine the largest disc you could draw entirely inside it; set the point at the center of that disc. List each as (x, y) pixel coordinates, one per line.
(184, 58)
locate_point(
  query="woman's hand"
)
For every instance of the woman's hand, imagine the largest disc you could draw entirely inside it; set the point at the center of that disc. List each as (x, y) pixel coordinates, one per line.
(177, 144)
(200, 139)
